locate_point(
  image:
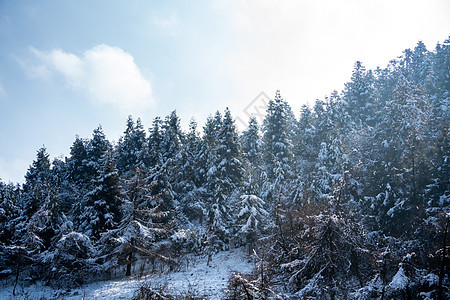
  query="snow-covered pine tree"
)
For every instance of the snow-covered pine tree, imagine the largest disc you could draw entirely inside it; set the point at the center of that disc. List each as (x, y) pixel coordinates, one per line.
(359, 98)
(304, 151)
(42, 228)
(277, 143)
(402, 142)
(252, 158)
(162, 201)
(9, 212)
(251, 143)
(252, 220)
(132, 150)
(228, 155)
(224, 176)
(190, 160)
(76, 163)
(441, 68)
(416, 66)
(189, 184)
(95, 151)
(172, 137)
(133, 242)
(154, 143)
(207, 147)
(102, 207)
(37, 183)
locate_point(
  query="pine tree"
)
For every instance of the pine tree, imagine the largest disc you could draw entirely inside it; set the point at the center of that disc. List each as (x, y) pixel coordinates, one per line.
(359, 97)
(76, 163)
(224, 172)
(186, 177)
(135, 239)
(95, 151)
(251, 143)
(154, 143)
(172, 137)
(252, 219)
(37, 183)
(305, 154)
(103, 203)
(9, 210)
(416, 66)
(252, 158)
(399, 168)
(277, 144)
(132, 149)
(228, 155)
(162, 200)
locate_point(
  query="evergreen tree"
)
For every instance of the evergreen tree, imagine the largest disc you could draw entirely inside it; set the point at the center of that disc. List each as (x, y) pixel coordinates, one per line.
(76, 163)
(103, 203)
(251, 143)
(252, 158)
(399, 168)
(135, 239)
(186, 177)
(277, 140)
(154, 143)
(224, 174)
(252, 219)
(228, 155)
(132, 149)
(95, 151)
(9, 210)
(37, 183)
(172, 137)
(359, 97)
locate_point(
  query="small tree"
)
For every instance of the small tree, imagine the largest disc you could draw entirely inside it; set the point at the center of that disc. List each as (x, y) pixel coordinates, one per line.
(252, 220)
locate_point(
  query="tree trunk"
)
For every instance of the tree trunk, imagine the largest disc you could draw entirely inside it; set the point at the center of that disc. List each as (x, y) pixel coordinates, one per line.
(18, 271)
(442, 271)
(129, 259)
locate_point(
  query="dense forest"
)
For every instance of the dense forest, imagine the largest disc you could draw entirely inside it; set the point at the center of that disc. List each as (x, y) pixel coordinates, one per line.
(349, 200)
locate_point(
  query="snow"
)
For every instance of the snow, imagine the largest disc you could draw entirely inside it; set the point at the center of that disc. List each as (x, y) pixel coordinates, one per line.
(400, 280)
(197, 277)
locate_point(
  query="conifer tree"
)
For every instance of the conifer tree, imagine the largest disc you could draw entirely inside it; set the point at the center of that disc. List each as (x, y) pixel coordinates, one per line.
(252, 219)
(135, 238)
(277, 145)
(252, 158)
(172, 137)
(102, 208)
(154, 143)
(76, 163)
(37, 183)
(359, 98)
(224, 172)
(95, 151)
(132, 149)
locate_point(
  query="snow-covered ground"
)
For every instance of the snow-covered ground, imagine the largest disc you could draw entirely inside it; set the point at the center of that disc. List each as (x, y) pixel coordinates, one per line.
(197, 277)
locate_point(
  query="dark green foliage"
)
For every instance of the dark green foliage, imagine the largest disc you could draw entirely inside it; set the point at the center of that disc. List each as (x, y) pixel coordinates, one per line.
(132, 148)
(103, 203)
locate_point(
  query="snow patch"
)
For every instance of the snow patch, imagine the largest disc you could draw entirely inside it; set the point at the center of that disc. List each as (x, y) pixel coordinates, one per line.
(198, 277)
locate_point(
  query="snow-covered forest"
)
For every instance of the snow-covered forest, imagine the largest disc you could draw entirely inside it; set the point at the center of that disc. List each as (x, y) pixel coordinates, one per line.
(346, 199)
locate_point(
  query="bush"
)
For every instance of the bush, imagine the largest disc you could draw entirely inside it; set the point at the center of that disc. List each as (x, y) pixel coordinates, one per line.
(147, 292)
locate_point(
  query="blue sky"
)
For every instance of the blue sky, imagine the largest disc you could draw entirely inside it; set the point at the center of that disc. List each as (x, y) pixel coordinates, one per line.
(67, 66)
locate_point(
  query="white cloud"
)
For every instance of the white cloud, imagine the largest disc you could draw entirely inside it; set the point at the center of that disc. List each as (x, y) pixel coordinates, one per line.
(108, 75)
(13, 171)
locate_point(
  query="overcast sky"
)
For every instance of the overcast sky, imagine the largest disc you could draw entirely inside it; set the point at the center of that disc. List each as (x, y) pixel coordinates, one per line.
(68, 66)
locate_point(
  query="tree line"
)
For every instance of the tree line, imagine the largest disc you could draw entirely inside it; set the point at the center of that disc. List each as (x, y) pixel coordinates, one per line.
(350, 199)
